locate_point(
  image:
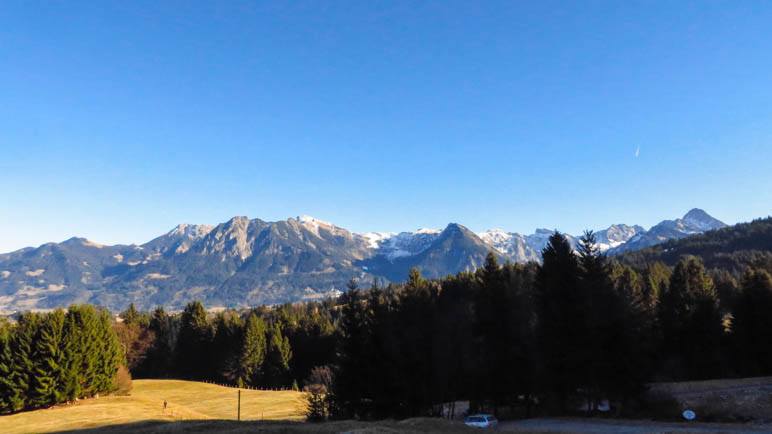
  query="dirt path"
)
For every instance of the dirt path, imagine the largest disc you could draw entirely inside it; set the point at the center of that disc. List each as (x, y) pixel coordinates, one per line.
(560, 425)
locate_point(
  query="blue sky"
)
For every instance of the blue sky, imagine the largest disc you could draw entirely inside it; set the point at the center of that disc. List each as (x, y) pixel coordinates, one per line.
(119, 120)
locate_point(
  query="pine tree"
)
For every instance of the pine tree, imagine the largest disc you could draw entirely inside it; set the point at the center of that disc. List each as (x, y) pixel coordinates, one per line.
(226, 345)
(503, 332)
(192, 357)
(9, 389)
(561, 328)
(19, 364)
(691, 323)
(615, 347)
(158, 362)
(253, 351)
(82, 351)
(413, 346)
(752, 324)
(49, 372)
(276, 367)
(350, 374)
(110, 354)
(130, 315)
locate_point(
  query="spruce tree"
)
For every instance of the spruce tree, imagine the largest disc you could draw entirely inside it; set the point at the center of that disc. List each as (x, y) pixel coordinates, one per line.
(110, 354)
(192, 357)
(48, 381)
(752, 324)
(691, 323)
(82, 348)
(561, 328)
(226, 345)
(502, 330)
(253, 351)
(158, 363)
(276, 367)
(130, 315)
(17, 385)
(350, 374)
(9, 389)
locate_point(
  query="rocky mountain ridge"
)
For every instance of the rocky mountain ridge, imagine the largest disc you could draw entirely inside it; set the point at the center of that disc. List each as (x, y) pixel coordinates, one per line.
(245, 262)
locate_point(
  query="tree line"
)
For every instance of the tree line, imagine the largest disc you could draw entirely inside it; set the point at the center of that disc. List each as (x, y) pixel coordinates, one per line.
(578, 328)
(50, 358)
(575, 330)
(266, 347)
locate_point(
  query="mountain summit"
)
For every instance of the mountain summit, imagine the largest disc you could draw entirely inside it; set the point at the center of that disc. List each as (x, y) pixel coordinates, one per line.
(245, 262)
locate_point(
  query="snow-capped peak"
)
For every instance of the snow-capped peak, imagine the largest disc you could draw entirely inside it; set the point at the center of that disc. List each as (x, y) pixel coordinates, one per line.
(374, 239)
(427, 231)
(699, 220)
(312, 220)
(191, 231)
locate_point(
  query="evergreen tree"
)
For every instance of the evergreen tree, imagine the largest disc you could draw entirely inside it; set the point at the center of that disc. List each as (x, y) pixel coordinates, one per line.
(48, 381)
(561, 329)
(226, 345)
(616, 349)
(130, 315)
(752, 324)
(691, 323)
(110, 354)
(350, 374)
(253, 351)
(414, 339)
(10, 389)
(81, 351)
(502, 327)
(192, 357)
(276, 367)
(159, 358)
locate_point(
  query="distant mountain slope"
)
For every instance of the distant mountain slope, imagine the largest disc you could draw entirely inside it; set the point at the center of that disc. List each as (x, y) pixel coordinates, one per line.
(731, 248)
(245, 262)
(694, 222)
(454, 249)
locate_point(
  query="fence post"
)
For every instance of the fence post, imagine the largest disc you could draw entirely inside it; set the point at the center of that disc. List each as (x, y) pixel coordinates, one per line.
(239, 410)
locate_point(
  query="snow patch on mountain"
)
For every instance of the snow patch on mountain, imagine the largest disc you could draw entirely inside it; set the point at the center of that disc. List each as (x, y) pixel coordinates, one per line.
(398, 245)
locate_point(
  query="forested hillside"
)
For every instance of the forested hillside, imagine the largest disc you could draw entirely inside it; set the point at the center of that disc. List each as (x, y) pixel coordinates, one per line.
(577, 327)
(733, 248)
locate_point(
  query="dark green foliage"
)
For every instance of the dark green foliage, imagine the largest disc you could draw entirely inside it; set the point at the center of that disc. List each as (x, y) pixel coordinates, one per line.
(253, 351)
(158, 359)
(48, 379)
(350, 375)
(691, 323)
(226, 346)
(562, 331)
(503, 317)
(276, 367)
(46, 359)
(192, 358)
(752, 324)
(17, 364)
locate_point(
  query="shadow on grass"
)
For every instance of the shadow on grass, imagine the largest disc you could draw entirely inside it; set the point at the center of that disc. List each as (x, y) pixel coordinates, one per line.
(419, 425)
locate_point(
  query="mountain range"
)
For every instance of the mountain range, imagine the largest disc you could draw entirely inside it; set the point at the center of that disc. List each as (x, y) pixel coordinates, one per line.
(246, 262)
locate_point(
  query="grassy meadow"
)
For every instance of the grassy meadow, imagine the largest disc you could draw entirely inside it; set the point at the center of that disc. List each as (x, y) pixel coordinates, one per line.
(187, 400)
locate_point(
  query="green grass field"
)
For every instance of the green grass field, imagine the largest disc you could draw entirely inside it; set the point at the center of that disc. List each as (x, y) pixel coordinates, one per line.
(187, 400)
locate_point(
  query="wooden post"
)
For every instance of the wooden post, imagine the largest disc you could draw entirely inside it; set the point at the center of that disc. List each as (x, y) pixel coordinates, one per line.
(239, 411)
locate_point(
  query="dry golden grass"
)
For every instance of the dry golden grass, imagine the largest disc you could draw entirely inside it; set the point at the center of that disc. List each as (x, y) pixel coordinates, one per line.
(187, 400)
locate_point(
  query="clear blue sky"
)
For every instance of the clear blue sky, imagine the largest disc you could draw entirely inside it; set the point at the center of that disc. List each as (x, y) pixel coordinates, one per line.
(119, 120)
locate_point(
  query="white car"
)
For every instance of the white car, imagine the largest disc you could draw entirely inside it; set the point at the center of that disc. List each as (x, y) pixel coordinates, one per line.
(481, 421)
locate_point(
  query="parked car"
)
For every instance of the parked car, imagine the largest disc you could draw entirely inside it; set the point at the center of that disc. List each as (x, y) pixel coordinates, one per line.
(481, 420)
